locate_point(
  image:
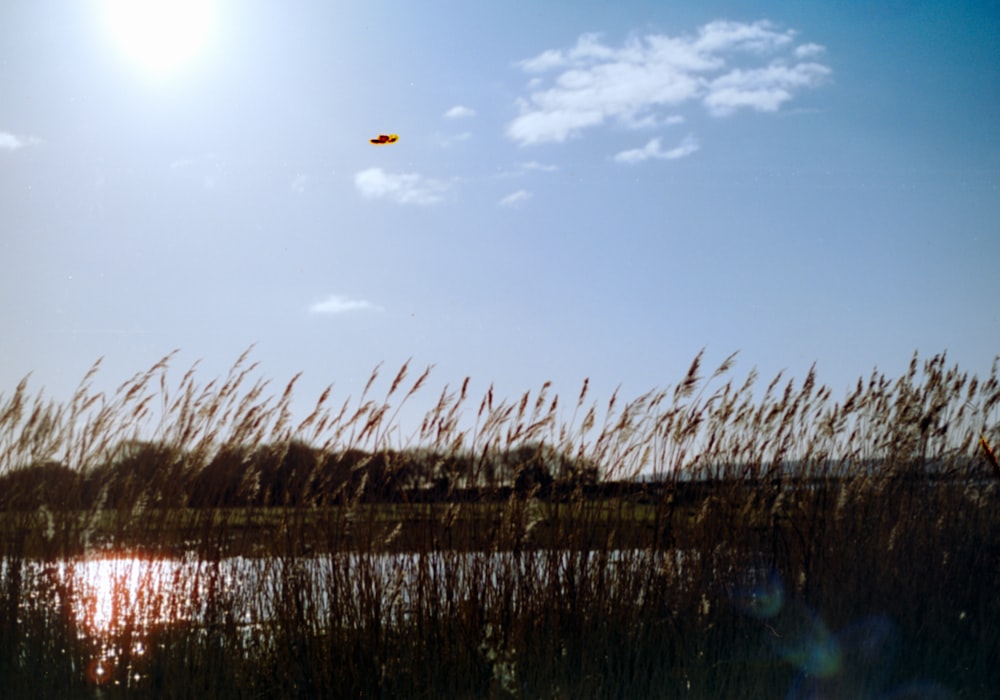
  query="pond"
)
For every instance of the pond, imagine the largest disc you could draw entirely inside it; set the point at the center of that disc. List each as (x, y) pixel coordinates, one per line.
(124, 610)
(116, 602)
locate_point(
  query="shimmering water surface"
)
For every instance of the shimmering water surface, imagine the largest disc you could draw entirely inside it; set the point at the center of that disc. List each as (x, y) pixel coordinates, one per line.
(116, 600)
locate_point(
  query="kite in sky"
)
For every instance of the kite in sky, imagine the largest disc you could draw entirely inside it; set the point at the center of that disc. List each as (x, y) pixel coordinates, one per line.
(383, 139)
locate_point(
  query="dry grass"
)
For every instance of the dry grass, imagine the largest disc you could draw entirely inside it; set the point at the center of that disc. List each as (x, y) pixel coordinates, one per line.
(835, 526)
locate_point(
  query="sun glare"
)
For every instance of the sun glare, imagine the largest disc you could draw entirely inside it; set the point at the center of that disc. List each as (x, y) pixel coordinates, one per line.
(159, 35)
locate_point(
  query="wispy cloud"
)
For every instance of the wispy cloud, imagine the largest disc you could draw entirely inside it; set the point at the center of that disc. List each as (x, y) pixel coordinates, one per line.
(809, 50)
(761, 89)
(459, 112)
(337, 304)
(652, 121)
(298, 184)
(13, 142)
(653, 150)
(531, 166)
(402, 188)
(515, 199)
(644, 82)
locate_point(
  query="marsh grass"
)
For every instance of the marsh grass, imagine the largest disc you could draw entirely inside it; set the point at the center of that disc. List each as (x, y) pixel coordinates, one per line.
(505, 550)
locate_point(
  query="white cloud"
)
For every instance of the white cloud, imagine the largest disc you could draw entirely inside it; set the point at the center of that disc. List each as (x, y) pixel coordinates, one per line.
(12, 142)
(535, 165)
(402, 188)
(725, 66)
(546, 60)
(336, 304)
(759, 37)
(587, 47)
(809, 50)
(652, 150)
(551, 124)
(459, 111)
(526, 167)
(515, 199)
(762, 89)
(651, 121)
(298, 185)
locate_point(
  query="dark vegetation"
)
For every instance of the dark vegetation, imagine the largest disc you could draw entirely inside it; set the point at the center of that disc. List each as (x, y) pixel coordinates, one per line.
(295, 475)
(786, 545)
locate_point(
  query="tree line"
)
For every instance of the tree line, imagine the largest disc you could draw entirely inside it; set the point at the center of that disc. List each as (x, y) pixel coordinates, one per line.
(292, 475)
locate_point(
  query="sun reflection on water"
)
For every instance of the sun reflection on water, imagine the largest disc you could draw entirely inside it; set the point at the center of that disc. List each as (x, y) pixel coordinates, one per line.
(118, 600)
(118, 592)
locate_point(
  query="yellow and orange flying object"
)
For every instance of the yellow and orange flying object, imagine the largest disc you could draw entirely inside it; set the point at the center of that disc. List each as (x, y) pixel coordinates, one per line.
(383, 139)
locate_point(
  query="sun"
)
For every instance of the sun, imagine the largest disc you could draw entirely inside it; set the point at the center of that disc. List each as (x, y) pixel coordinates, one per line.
(160, 36)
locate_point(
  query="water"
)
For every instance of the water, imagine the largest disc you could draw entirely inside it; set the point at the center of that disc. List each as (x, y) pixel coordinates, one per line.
(116, 601)
(111, 592)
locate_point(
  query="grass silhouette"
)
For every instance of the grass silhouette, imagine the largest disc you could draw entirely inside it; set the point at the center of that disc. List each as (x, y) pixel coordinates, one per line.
(518, 554)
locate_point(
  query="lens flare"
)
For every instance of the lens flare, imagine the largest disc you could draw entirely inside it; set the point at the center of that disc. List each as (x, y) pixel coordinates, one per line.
(762, 600)
(803, 640)
(855, 663)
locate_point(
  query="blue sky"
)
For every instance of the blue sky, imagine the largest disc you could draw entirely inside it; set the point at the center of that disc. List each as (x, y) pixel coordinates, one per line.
(580, 189)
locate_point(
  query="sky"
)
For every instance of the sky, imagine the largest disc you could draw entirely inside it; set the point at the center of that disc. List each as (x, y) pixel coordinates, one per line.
(579, 190)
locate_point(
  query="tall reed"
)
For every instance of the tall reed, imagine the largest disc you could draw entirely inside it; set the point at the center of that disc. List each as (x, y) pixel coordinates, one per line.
(655, 547)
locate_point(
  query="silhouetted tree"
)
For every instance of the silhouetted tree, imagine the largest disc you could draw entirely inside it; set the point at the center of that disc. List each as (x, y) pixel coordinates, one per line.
(47, 483)
(137, 473)
(231, 479)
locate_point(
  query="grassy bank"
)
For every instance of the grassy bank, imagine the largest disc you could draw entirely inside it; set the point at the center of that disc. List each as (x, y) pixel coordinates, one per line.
(792, 545)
